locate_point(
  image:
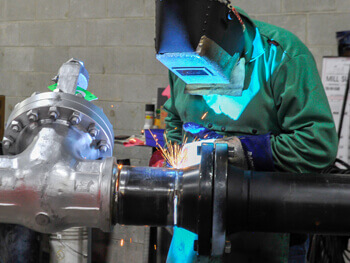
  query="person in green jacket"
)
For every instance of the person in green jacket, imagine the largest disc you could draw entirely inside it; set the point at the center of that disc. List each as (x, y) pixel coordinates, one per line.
(269, 104)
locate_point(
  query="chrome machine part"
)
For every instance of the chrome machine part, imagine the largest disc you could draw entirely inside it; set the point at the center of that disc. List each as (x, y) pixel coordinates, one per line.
(58, 172)
(48, 188)
(57, 109)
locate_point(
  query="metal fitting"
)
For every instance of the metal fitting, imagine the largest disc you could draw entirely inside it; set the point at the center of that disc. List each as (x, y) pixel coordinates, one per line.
(53, 113)
(227, 247)
(92, 130)
(42, 219)
(7, 142)
(16, 126)
(103, 147)
(75, 119)
(33, 115)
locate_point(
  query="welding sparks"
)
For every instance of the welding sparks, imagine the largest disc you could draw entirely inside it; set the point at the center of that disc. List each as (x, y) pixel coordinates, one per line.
(122, 242)
(120, 166)
(173, 154)
(204, 116)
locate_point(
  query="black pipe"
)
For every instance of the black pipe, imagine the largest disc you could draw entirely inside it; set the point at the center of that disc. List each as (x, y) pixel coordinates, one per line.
(288, 203)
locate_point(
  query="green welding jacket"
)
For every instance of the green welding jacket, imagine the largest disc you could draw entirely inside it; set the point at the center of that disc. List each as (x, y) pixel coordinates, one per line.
(282, 96)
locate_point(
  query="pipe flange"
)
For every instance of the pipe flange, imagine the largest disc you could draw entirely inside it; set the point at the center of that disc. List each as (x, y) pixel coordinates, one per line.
(56, 108)
(205, 199)
(219, 199)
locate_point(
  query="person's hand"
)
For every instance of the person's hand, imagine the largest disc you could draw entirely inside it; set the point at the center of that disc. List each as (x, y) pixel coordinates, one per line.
(236, 154)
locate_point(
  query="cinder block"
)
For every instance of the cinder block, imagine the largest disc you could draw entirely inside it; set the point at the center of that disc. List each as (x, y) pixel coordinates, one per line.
(309, 5)
(7, 86)
(2, 10)
(142, 88)
(130, 116)
(87, 9)
(139, 32)
(105, 32)
(322, 27)
(133, 153)
(320, 52)
(10, 104)
(122, 8)
(93, 57)
(343, 5)
(72, 33)
(9, 34)
(49, 59)
(36, 33)
(294, 23)
(125, 60)
(151, 64)
(106, 87)
(52, 9)
(18, 59)
(139, 162)
(150, 8)
(20, 10)
(259, 7)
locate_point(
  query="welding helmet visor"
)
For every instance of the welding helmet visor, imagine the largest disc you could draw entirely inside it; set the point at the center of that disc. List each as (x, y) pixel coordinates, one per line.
(201, 41)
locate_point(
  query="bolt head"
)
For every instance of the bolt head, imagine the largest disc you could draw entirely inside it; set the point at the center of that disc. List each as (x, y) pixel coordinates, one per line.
(53, 113)
(7, 142)
(93, 132)
(16, 126)
(75, 118)
(42, 219)
(103, 148)
(33, 115)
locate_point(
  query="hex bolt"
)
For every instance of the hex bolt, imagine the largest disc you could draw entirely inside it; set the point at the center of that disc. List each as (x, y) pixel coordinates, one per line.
(102, 145)
(42, 219)
(7, 142)
(53, 113)
(227, 247)
(16, 126)
(33, 115)
(92, 130)
(75, 119)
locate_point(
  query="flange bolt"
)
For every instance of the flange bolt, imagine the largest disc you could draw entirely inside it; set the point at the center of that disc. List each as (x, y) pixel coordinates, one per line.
(7, 142)
(16, 126)
(92, 130)
(53, 113)
(102, 145)
(33, 115)
(75, 119)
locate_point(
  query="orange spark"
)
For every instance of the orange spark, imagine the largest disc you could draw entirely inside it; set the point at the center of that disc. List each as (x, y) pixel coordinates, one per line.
(155, 247)
(120, 166)
(204, 115)
(122, 242)
(172, 153)
(130, 240)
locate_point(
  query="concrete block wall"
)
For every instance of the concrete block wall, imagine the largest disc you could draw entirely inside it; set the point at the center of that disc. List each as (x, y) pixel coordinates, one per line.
(115, 39)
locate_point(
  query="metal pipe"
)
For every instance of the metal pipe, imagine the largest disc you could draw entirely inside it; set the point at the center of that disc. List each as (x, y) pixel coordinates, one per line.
(286, 202)
(46, 189)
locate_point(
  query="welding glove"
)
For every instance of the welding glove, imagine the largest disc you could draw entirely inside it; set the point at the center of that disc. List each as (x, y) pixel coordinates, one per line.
(249, 152)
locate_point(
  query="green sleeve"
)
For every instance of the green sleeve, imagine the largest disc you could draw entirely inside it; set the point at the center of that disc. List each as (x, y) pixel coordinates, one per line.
(308, 141)
(173, 130)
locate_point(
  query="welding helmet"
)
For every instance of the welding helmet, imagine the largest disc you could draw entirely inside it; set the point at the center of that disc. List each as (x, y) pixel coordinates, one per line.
(201, 41)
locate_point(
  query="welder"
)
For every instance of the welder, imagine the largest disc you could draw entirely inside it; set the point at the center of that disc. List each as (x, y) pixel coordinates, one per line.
(254, 86)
